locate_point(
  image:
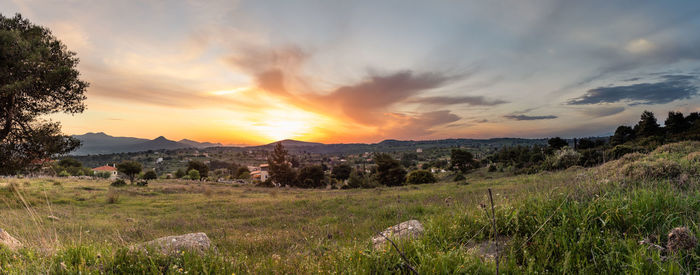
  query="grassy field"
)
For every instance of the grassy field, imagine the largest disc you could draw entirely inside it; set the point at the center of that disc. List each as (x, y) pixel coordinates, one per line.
(578, 220)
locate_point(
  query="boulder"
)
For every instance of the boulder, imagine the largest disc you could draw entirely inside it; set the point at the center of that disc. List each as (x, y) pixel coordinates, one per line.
(403, 231)
(9, 241)
(194, 242)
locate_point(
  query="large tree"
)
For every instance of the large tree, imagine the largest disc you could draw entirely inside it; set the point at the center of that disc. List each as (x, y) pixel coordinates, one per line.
(38, 77)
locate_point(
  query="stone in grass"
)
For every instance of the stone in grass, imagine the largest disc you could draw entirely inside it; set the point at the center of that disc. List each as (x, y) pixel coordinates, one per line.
(680, 238)
(9, 241)
(193, 242)
(405, 230)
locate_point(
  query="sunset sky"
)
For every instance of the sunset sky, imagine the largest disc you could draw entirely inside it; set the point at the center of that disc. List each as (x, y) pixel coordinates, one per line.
(251, 72)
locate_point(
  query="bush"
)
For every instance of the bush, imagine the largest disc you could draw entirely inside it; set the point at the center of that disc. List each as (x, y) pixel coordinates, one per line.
(118, 183)
(150, 175)
(421, 177)
(459, 177)
(103, 175)
(193, 174)
(64, 174)
(142, 183)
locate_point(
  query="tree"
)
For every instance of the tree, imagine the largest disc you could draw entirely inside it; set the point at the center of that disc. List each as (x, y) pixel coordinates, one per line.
(647, 125)
(341, 172)
(557, 143)
(622, 134)
(281, 171)
(242, 171)
(201, 167)
(130, 169)
(462, 160)
(389, 170)
(38, 77)
(150, 175)
(421, 177)
(310, 177)
(676, 123)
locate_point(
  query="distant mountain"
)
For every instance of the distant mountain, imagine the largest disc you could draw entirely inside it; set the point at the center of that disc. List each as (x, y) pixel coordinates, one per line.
(199, 144)
(101, 143)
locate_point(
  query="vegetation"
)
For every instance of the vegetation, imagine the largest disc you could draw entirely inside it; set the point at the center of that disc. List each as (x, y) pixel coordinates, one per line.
(389, 171)
(606, 219)
(130, 169)
(39, 77)
(420, 177)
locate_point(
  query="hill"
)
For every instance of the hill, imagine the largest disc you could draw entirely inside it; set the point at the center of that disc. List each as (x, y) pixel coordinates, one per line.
(101, 143)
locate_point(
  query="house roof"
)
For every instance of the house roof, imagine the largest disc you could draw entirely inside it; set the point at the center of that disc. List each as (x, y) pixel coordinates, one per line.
(105, 168)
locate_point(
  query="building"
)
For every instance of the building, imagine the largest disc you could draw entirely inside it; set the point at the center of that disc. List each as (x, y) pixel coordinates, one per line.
(419, 150)
(111, 169)
(261, 173)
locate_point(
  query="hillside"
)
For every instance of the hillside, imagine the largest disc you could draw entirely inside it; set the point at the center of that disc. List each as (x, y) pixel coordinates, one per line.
(101, 143)
(610, 219)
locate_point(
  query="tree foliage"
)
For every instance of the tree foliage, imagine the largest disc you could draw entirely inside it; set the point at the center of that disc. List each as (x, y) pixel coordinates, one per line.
(310, 177)
(647, 125)
(389, 171)
(281, 171)
(557, 143)
(421, 177)
(462, 160)
(201, 167)
(341, 172)
(38, 77)
(130, 169)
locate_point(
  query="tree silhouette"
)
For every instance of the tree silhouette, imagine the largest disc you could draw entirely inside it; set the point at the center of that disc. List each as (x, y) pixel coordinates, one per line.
(281, 171)
(647, 125)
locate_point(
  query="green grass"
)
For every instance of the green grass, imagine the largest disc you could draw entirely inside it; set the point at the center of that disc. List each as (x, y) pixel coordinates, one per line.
(576, 221)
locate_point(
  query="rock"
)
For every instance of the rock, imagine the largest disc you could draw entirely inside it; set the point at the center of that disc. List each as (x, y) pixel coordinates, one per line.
(53, 218)
(405, 230)
(680, 238)
(194, 242)
(9, 241)
(487, 249)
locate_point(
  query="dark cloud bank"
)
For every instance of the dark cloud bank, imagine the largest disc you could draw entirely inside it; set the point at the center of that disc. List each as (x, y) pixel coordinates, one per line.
(671, 88)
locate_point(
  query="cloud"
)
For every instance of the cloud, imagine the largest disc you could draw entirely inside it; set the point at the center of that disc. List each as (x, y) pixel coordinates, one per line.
(418, 125)
(527, 117)
(603, 111)
(446, 100)
(673, 87)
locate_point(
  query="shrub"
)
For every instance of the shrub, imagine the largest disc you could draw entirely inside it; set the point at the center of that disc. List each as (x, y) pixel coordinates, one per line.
(103, 175)
(421, 177)
(64, 174)
(459, 177)
(193, 174)
(118, 183)
(150, 175)
(562, 159)
(620, 150)
(142, 183)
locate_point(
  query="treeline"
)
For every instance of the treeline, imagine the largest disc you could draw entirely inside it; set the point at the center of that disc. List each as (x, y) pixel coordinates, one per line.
(643, 137)
(386, 171)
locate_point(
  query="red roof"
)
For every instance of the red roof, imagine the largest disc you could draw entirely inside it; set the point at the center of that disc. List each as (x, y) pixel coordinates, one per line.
(104, 168)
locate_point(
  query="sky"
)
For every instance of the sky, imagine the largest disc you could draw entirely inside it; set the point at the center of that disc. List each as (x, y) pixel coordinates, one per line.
(252, 72)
